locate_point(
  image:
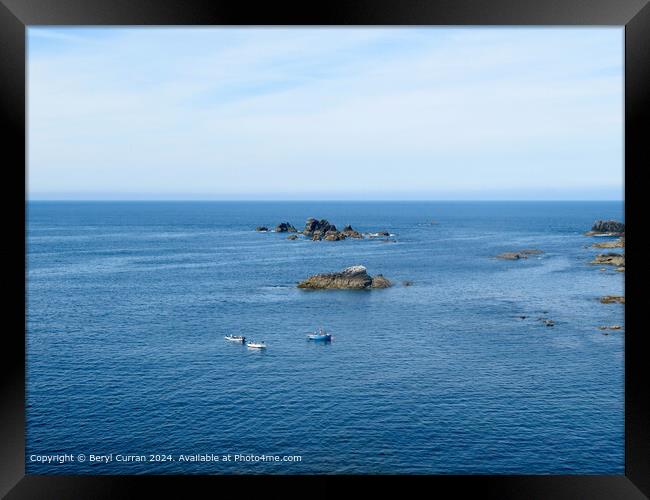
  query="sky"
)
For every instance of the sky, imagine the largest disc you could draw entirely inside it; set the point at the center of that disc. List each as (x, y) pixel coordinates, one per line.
(325, 113)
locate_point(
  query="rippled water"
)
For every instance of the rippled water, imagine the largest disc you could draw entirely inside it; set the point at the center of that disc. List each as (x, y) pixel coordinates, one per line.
(128, 303)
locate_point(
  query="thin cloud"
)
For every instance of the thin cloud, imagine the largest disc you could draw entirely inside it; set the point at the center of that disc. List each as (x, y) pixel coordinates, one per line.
(252, 111)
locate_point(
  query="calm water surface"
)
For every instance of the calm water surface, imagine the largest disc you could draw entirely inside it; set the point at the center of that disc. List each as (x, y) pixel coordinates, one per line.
(128, 303)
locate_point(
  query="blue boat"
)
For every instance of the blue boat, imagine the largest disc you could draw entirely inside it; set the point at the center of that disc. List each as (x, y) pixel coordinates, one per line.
(321, 335)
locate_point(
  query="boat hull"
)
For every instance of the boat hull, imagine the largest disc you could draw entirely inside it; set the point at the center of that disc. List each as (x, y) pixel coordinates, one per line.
(322, 338)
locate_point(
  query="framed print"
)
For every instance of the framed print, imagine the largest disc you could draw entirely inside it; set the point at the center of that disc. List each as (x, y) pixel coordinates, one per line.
(369, 242)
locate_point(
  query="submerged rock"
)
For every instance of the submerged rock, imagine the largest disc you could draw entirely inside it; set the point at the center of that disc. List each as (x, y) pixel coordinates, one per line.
(546, 321)
(521, 254)
(261, 228)
(351, 278)
(612, 299)
(619, 243)
(292, 237)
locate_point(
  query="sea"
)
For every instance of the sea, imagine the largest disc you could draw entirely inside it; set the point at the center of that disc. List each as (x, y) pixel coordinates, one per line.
(452, 370)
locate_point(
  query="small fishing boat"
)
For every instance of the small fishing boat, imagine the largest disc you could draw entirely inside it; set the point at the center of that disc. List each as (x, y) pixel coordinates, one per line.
(320, 335)
(256, 345)
(236, 338)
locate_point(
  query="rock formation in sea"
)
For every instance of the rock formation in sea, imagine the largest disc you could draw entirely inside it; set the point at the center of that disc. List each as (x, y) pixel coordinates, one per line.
(349, 232)
(333, 236)
(285, 227)
(261, 228)
(613, 299)
(612, 259)
(292, 237)
(611, 227)
(619, 243)
(521, 254)
(314, 227)
(351, 278)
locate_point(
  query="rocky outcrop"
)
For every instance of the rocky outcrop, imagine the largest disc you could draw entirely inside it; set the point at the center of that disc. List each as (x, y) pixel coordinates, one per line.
(521, 254)
(334, 236)
(351, 278)
(612, 259)
(323, 230)
(285, 227)
(612, 227)
(380, 282)
(261, 228)
(619, 243)
(292, 237)
(318, 227)
(351, 233)
(612, 299)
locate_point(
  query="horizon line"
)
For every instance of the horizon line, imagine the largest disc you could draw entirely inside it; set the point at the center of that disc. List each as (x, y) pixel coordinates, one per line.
(319, 200)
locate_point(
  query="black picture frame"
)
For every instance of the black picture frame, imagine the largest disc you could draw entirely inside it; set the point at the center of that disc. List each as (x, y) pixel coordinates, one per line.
(16, 15)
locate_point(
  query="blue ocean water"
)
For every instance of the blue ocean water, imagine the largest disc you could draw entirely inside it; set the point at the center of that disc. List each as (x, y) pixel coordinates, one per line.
(128, 304)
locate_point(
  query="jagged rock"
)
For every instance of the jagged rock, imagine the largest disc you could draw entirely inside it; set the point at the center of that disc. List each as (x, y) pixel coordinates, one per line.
(613, 299)
(612, 227)
(352, 278)
(380, 282)
(285, 227)
(351, 233)
(612, 259)
(261, 228)
(521, 254)
(334, 236)
(312, 226)
(292, 237)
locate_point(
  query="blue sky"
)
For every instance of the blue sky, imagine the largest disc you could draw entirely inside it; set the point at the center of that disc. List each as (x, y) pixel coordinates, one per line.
(325, 113)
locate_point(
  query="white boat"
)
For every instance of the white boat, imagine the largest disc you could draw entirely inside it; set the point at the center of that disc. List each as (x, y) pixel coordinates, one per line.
(256, 345)
(236, 338)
